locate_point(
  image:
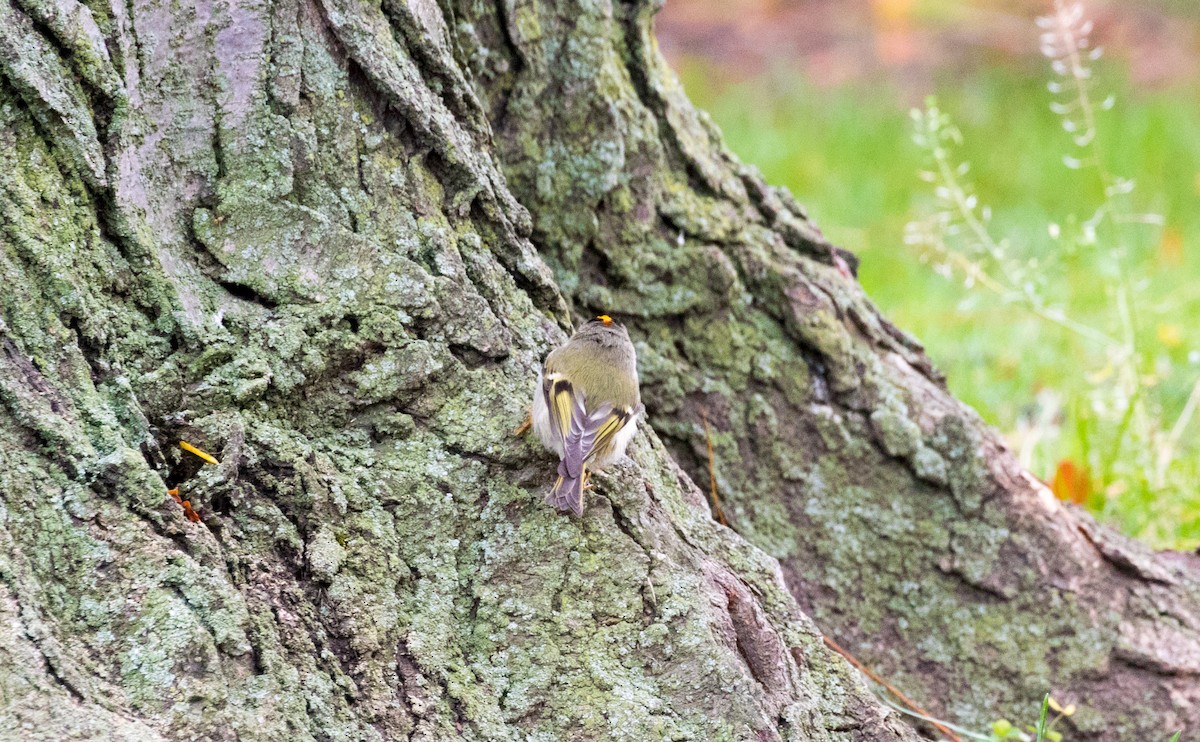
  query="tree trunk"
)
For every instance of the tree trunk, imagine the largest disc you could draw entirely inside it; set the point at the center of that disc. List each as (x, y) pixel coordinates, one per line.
(330, 243)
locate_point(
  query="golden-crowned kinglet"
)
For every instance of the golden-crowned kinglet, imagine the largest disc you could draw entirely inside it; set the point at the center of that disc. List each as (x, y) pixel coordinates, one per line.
(586, 406)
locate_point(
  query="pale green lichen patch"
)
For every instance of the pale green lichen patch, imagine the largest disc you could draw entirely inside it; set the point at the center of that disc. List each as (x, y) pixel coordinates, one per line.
(875, 496)
(898, 435)
(342, 305)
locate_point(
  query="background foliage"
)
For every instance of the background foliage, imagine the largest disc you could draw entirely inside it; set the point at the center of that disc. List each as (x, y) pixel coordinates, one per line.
(819, 99)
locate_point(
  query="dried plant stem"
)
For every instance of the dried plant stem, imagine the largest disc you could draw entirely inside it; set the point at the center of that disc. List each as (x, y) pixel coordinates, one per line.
(1079, 74)
(975, 271)
(966, 212)
(1167, 451)
(876, 678)
(909, 712)
(718, 511)
(1071, 42)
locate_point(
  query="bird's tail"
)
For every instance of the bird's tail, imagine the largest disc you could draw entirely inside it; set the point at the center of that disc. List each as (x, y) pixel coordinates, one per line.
(568, 491)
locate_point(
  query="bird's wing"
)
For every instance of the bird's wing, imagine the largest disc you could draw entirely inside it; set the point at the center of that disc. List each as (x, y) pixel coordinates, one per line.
(609, 422)
(586, 436)
(559, 395)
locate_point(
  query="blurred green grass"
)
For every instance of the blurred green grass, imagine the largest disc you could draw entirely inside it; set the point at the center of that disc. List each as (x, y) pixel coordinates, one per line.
(847, 154)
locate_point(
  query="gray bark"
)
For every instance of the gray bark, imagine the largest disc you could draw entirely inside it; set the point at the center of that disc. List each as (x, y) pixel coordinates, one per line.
(330, 242)
(902, 525)
(278, 231)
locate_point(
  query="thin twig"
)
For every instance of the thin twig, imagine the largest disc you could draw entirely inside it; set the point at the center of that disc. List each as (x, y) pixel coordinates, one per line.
(718, 511)
(1167, 451)
(909, 712)
(891, 689)
(993, 284)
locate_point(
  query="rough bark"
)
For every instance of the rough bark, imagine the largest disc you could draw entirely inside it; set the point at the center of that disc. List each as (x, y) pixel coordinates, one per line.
(903, 526)
(277, 230)
(298, 234)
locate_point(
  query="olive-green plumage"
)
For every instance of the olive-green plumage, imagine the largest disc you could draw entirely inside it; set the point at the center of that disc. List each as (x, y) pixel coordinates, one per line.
(600, 361)
(586, 405)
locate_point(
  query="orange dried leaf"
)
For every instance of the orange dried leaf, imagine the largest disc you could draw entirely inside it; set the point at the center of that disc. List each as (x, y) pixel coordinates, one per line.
(1071, 482)
(1170, 250)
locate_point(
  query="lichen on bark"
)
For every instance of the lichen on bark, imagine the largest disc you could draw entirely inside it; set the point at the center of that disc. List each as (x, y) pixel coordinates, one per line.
(330, 242)
(279, 231)
(901, 522)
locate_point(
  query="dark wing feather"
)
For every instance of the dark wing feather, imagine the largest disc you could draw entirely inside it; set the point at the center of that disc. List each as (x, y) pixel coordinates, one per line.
(559, 395)
(606, 435)
(586, 436)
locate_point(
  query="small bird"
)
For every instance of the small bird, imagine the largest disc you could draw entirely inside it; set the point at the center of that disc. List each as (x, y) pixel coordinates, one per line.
(586, 406)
